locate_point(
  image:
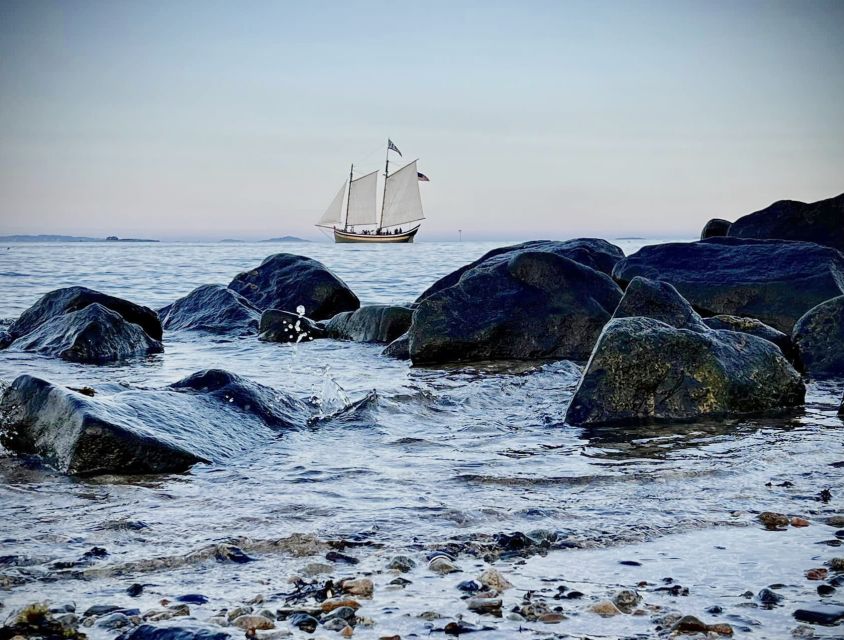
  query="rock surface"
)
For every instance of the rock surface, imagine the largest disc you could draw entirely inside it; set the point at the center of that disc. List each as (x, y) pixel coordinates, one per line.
(215, 309)
(283, 326)
(209, 415)
(821, 222)
(285, 281)
(715, 228)
(372, 323)
(819, 338)
(775, 281)
(755, 328)
(173, 632)
(92, 335)
(518, 305)
(61, 301)
(398, 348)
(591, 252)
(647, 370)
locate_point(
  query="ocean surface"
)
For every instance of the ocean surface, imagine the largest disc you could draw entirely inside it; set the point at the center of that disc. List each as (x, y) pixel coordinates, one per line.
(443, 453)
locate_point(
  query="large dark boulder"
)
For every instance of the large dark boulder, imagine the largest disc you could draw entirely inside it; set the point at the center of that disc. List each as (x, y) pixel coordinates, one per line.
(591, 252)
(715, 228)
(61, 301)
(647, 370)
(286, 281)
(283, 326)
(208, 416)
(775, 281)
(821, 222)
(372, 323)
(93, 335)
(819, 339)
(212, 308)
(518, 305)
(755, 328)
(660, 301)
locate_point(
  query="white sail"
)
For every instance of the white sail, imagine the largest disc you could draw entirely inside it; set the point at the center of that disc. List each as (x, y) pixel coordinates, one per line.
(362, 200)
(402, 202)
(331, 216)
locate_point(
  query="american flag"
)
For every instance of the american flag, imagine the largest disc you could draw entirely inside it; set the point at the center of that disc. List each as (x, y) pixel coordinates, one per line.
(392, 147)
(422, 177)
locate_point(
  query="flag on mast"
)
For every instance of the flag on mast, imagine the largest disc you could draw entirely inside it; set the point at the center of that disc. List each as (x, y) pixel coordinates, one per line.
(392, 147)
(422, 177)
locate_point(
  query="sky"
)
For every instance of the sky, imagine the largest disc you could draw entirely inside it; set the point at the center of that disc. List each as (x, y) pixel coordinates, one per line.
(208, 120)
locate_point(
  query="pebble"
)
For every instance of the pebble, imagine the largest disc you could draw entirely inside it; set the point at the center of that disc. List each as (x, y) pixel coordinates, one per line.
(335, 624)
(552, 617)
(493, 579)
(485, 605)
(335, 556)
(626, 600)
(362, 587)
(335, 603)
(303, 622)
(346, 614)
(605, 609)
(135, 590)
(836, 564)
(442, 565)
(773, 521)
(816, 574)
(249, 621)
(769, 598)
(402, 564)
(820, 614)
(690, 624)
(237, 612)
(113, 621)
(799, 522)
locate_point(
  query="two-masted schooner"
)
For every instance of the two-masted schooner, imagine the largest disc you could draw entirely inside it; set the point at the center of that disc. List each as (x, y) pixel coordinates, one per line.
(362, 221)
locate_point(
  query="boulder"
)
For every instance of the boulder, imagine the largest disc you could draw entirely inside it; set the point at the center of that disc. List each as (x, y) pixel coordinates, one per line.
(286, 281)
(645, 369)
(398, 348)
(660, 301)
(715, 228)
(518, 305)
(819, 339)
(372, 323)
(173, 632)
(755, 328)
(62, 301)
(93, 335)
(212, 308)
(283, 326)
(821, 222)
(775, 281)
(208, 416)
(591, 252)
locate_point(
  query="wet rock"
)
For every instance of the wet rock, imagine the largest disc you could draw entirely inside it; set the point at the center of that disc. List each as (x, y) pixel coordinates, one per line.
(35, 621)
(212, 308)
(626, 600)
(660, 301)
(173, 611)
(193, 598)
(372, 323)
(346, 614)
(68, 300)
(721, 628)
(398, 348)
(237, 612)
(283, 326)
(690, 624)
(399, 582)
(715, 228)
(552, 617)
(100, 610)
(484, 605)
(819, 338)
(773, 521)
(303, 622)
(442, 565)
(774, 281)
(821, 222)
(646, 370)
(816, 574)
(93, 335)
(835, 521)
(284, 281)
(826, 614)
(460, 628)
(493, 579)
(335, 603)
(334, 624)
(402, 564)
(590, 252)
(799, 522)
(825, 590)
(114, 621)
(605, 609)
(253, 622)
(836, 564)
(524, 305)
(336, 556)
(755, 328)
(470, 586)
(362, 587)
(173, 632)
(209, 415)
(769, 598)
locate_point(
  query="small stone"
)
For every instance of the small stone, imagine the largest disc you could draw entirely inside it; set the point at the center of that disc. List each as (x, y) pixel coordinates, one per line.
(493, 579)
(400, 582)
(802, 631)
(192, 598)
(430, 616)
(249, 621)
(335, 603)
(773, 521)
(799, 522)
(605, 609)
(135, 590)
(690, 624)
(346, 614)
(626, 600)
(303, 622)
(825, 590)
(348, 632)
(769, 598)
(835, 521)
(721, 628)
(551, 617)
(442, 565)
(485, 605)
(402, 564)
(335, 624)
(100, 610)
(836, 564)
(237, 612)
(335, 556)
(817, 574)
(362, 587)
(469, 586)
(113, 621)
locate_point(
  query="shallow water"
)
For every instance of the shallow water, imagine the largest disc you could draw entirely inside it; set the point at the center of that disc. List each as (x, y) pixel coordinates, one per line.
(443, 453)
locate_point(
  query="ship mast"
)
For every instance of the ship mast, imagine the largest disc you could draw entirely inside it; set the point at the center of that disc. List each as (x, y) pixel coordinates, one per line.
(348, 199)
(384, 197)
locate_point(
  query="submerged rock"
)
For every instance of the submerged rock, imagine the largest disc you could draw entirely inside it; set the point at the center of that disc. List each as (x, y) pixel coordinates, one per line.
(646, 370)
(591, 252)
(827, 614)
(173, 632)
(61, 301)
(215, 309)
(93, 335)
(821, 222)
(819, 338)
(398, 348)
(715, 228)
(283, 326)
(518, 305)
(372, 323)
(775, 281)
(285, 281)
(207, 416)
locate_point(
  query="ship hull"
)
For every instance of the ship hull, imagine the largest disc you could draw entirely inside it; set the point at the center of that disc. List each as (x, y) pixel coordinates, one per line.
(391, 238)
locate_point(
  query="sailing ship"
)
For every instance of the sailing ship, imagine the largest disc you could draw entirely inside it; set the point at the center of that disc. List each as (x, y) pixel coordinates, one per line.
(362, 221)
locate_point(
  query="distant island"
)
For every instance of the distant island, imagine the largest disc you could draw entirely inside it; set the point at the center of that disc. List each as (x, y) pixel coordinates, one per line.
(59, 238)
(281, 239)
